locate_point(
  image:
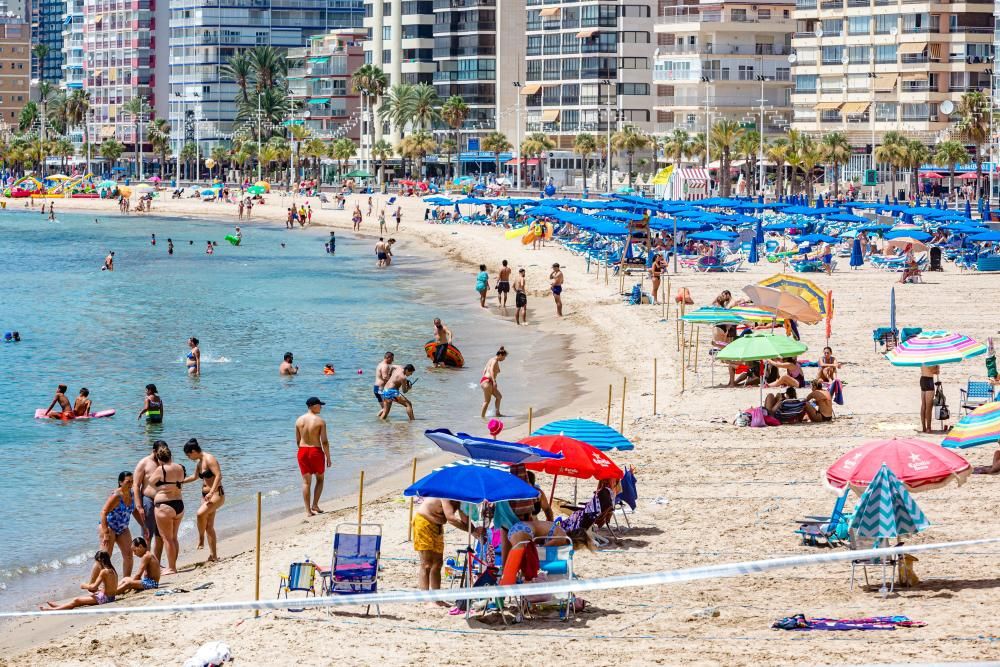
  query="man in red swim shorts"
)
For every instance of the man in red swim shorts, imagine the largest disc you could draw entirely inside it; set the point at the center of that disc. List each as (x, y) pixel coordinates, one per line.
(314, 453)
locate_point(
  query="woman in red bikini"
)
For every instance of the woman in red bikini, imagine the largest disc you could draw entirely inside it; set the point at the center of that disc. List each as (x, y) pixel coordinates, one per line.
(489, 382)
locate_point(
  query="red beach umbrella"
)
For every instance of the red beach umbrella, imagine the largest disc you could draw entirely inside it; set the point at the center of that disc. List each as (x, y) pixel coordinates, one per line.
(918, 464)
(579, 459)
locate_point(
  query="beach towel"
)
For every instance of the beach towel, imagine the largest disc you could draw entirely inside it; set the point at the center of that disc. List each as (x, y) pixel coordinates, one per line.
(800, 622)
(909, 332)
(836, 390)
(629, 493)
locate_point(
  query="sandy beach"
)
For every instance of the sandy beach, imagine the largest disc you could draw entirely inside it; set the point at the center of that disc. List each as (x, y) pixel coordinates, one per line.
(709, 492)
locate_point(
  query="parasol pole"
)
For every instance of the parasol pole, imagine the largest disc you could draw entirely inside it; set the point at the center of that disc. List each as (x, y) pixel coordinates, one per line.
(361, 497)
(256, 594)
(654, 385)
(530, 411)
(409, 525)
(552, 494)
(697, 345)
(607, 422)
(666, 305)
(683, 348)
(621, 426)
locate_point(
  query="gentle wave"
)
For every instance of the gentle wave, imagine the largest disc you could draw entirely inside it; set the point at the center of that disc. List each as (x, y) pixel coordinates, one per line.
(206, 359)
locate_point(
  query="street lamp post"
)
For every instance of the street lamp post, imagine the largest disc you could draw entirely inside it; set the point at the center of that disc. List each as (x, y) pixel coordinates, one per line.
(517, 142)
(760, 159)
(608, 83)
(708, 132)
(258, 136)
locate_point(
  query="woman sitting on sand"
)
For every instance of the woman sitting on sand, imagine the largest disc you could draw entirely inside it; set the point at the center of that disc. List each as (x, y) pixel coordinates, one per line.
(168, 504)
(793, 376)
(102, 587)
(213, 496)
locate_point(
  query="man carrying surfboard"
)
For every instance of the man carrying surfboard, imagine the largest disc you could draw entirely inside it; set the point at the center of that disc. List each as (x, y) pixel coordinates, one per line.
(443, 338)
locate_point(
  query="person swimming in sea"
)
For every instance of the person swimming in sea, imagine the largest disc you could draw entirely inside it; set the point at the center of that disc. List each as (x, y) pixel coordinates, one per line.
(193, 360)
(153, 406)
(170, 247)
(209, 249)
(328, 370)
(109, 261)
(152, 241)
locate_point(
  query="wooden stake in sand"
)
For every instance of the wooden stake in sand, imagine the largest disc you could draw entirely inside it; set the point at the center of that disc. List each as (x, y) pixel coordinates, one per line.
(530, 414)
(409, 524)
(621, 425)
(666, 291)
(683, 351)
(607, 422)
(654, 385)
(361, 498)
(256, 587)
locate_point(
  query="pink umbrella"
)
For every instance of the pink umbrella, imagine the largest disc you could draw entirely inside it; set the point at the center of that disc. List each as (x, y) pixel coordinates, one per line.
(919, 464)
(969, 176)
(930, 174)
(155, 179)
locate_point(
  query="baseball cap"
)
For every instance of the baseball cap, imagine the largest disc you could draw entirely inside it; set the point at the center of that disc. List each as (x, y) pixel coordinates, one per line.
(312, 400)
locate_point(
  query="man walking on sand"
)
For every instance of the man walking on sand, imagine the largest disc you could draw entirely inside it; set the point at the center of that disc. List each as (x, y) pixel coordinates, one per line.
(313, 454)
(503, 285)
(520, 298)
(557, 286)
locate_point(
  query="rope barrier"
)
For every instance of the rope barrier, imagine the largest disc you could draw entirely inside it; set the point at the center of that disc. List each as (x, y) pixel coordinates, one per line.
(641, 580)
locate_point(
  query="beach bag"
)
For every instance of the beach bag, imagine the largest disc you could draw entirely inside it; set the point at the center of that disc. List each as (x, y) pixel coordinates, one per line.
(941, 411)
(684, 296)
(757, 417)
(742, 419)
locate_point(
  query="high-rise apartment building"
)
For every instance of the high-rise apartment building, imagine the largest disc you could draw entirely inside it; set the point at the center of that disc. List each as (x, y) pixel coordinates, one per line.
(319, 78)
(47, 29)
(205, 34)
(15, 69)
(723, 60)
(72, 46)
(588, 67)
(865, 67)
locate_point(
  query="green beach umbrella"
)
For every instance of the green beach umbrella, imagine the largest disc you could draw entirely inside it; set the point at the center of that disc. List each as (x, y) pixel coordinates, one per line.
(357, 173)
(761, 346)
(256, 190)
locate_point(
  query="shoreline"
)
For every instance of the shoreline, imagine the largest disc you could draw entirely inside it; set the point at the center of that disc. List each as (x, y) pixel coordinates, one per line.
(282, 525)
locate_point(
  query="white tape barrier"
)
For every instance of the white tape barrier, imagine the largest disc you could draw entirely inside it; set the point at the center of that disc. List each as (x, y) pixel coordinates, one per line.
(549, 588)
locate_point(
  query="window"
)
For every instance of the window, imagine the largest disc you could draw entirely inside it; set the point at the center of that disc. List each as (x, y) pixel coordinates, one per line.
(603, 16)
(885, 54)
(805, 83)
(634, 63)
(831, 84)
(534, 70)
(633, 89)
(570, 92)
(859, 25)
(551, 70)
(635, 11)
(885, 112)
(859, 55)
(589, 93)
(745, 72)
(920, 111)
(550, 95)
(569, 119)
(635, 115)
(418, 31)
(859, 82)
(534, 47)
(630, 37)
(571, 68)
(884, 23)
(551, 45)
(570, 17)
(739, 15)
(832, 55)
(764, 14)
(832, 27)
(570, 43)
(534, 21)
(782, 74)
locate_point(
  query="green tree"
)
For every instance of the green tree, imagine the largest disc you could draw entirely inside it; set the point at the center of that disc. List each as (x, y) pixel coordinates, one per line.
(777, 152)
(916, 156)
(28, 117)
(892, 152)
(158, 136)
(371, 83)
(836, 151)
(584, 145)
(454, 111)
(974, 127)
(240, 70)
(724, 135)
(697, 149)
(419, 145)
(537, 144)
(111, 150)
(189, 153)
(810, 156)
(381, 150)
(748, 148)
(269, 67)
(676, 145)
(315, 150)
(951, 153)
(398, 105)
(220, 155)
(426, 106)
(63, 149)
(77, 108)
(342, 150)
(496, 143)
(449, 147)
(137, 108)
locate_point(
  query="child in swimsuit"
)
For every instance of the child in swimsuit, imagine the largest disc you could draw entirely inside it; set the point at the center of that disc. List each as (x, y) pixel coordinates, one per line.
(101, 590)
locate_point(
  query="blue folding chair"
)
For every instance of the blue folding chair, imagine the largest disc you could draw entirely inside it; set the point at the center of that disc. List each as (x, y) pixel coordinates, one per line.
(826, 528)
(975, 394)
(356, 553)
(301, 577)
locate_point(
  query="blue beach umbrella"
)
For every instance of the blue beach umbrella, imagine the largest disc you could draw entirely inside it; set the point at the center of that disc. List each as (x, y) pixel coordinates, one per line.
(754, 252)
(892, 309)
(887, 200)
(758, 234)
(472, 482)
(595, 434)
(968, 209)
(485, 449)
(857, 256)
(819, 202)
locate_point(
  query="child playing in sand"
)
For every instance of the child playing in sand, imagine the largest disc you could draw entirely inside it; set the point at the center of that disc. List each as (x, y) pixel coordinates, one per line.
(105, 582)
(148, 576)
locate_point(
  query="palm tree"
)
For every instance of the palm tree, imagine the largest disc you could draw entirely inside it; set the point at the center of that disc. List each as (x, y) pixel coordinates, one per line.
(189, 153)
(725, 133)
(267, 155)
(315, 150)
(916, 156)
(158, 135)
(496, 143)
(810, 156)
(697, 148)
(57, 112)
(40, 51)
(274, 106)
(220, 155)
(676, 145)
(240, 70)
(297, 134)
(269, 66)
(424, 110)
(974, 127)
(777, 152)
(449, 147)
(29, 114)
(584, 145)
(421, 143)
(381, 150)
(748, 147)
(837, 151)
(454, 111)
(111, 150)
(537, 144)
(137, 108)
(342, 150)
(77, 108)
(63, 149)
(891, 152)
(951, 153)
(629, 139)
(45, 91)
(397, 105)
(371, 82)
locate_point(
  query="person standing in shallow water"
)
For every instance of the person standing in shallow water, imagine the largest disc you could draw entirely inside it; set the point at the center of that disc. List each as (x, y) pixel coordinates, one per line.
(193, 360)
(557, 287)
(488, 383)
(313, 453)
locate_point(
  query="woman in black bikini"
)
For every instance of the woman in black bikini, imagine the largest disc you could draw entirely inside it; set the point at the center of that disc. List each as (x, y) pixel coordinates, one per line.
(168, 503)
(213, 496)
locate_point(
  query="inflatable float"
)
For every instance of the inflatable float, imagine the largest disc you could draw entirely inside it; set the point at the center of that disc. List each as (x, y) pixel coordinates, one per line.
(530, 236)
(452, 357)
(232, 239)
(40, 414)
(515, 233)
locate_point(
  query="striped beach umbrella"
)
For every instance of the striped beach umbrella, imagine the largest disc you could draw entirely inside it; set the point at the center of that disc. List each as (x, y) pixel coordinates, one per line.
(712, 315)
(979, 427)
(752, 314)
(595, 434)
(931, 348)
(799, 286)
(887, 509)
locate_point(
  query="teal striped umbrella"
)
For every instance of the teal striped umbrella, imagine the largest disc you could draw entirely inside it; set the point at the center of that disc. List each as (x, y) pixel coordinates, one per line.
(712, 315)
(887, 509)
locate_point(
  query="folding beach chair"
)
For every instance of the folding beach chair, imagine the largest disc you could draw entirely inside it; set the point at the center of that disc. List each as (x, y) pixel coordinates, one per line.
(555, 559)
(856, 544)
(356, 553)
(976, 393)
(301, 577)
(826, 528)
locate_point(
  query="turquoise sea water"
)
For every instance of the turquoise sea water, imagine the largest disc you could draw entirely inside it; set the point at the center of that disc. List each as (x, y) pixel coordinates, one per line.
(115, 332)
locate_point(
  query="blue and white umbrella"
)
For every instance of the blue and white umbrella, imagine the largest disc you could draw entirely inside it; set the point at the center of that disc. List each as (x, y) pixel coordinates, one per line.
(485, 449)
(595, 434)
(474, 482)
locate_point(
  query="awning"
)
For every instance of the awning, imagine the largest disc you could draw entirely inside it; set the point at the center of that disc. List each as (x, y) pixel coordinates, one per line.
(319, 100)
(531, 89)
(911, 48)
(67, 20)
(98, 18)
(694, 174)
(550, 115)
(107, 131)
(885, 82)
(97, 72)
(530, 162)
(587, 33)
(550, 11)
(319, 59)
(827, 106)
(912, 76)
(855, 107)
